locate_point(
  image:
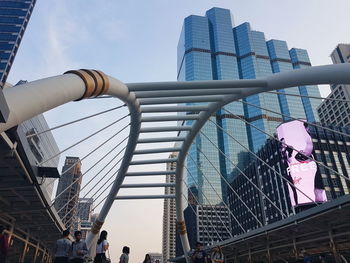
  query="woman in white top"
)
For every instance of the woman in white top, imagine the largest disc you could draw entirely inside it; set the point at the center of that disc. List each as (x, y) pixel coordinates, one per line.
(101, 248)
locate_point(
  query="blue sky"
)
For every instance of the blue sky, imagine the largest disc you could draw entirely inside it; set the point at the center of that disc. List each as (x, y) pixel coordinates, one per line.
(135, 41)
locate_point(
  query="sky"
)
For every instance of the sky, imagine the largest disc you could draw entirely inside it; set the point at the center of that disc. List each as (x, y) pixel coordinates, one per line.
(135, 41)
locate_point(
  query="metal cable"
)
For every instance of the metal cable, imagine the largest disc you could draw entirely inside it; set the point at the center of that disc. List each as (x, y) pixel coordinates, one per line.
(97, 175)
(71, 122)
(84, 139)
(234, 217)
(104, 156)
(256, 156)
(312, 124)
(94, 150)
(213, 207)
(208, 233)
(284, 115)
(249, 179)
(307, 96)
(98, 191)
(219, 173)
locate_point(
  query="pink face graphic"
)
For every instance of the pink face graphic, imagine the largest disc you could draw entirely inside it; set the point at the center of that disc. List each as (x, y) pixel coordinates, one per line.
(296, 147)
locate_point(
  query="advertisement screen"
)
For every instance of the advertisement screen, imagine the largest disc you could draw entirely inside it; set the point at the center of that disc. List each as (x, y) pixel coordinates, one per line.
(303, 173)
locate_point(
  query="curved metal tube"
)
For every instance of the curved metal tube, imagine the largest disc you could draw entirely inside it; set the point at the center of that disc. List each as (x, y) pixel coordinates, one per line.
(329, 74)
(120, 91)
(52, 92)
(55, 91)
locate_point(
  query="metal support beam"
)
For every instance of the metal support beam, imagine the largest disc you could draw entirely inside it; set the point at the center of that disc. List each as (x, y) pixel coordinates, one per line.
(165, 129)
(333, 247)
(180, 108)
(174, 93)
(170, 118)
(161, 139)
(168, 160)
(157, 150)
(147, 185)
(151, 173)
(134, 197)
(152, 101)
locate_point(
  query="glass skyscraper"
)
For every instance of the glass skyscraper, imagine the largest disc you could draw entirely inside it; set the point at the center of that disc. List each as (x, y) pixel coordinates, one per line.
(211, 48)
(14, 17)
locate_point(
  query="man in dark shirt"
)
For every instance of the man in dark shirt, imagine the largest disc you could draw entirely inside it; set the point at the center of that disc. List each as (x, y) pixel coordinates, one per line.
(199, 255)
(79, 249)
(4, 245)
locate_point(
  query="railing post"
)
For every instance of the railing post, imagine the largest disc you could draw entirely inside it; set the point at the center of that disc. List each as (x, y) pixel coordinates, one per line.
(333, 247)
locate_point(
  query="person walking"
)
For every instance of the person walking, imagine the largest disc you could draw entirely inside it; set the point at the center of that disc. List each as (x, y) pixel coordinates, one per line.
(4, 245)
(79, 249)
(124, 258)
(217, 256)
(63, 248)
(199, 255)
(101, 248)
(147, 259)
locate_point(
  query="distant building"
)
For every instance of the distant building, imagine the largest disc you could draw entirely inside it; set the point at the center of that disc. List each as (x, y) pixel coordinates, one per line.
(85, 208)
(14, 18)
(337, 112)
(169, 215)
(206, 224)
(341, 54)
(330, 148)
(84, 213)
(156, 257)
(67, 202)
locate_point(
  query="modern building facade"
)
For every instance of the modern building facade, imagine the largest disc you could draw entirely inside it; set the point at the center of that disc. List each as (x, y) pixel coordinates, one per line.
(330, 149)
(169, 215)
(341, 54)
(206, 224)
(85, 210)
(211, 48)
(14, 18)
(155, 257)
(337, 112)
(68, 189)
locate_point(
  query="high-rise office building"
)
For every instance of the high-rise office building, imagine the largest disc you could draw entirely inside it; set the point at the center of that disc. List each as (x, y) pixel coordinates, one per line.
(211, 48)
(329, 148)
(68, 189)
(169, 215)
(337, 112)
(341, 54)
(14, 18)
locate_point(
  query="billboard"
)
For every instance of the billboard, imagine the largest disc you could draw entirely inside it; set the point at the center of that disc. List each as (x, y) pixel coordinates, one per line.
(303, 173)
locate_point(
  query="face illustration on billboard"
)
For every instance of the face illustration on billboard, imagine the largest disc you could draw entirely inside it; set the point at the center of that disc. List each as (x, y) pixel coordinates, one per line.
(303, 173)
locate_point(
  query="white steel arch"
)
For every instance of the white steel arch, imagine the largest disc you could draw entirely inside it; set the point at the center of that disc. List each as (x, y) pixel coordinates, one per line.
(27, 100)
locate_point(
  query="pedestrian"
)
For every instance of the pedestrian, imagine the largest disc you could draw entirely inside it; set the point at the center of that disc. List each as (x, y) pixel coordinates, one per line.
(217, 256)
(101, 248)
(4, 245)
(199, 255)
(63, 248)
(124, 258)
(147, 259)
(79, 249)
